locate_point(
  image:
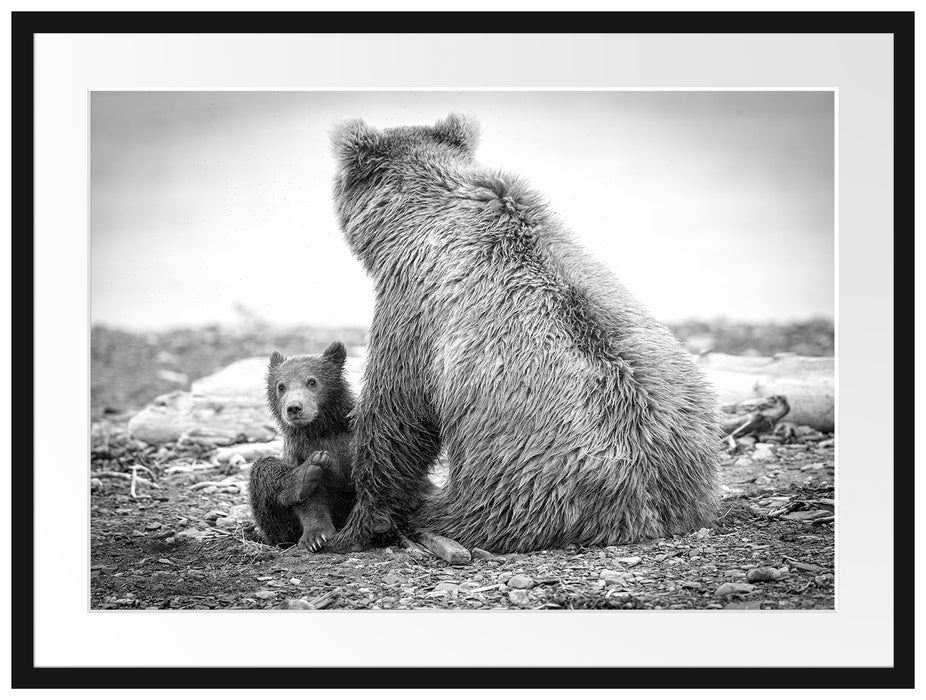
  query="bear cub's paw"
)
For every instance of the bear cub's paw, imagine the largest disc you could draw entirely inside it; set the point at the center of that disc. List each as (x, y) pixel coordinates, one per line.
(315, 536)
(321, 458)
(305, 480)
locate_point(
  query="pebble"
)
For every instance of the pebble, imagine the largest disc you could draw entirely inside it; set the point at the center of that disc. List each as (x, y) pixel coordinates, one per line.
(611, 577)
(392, 578)
(690, 584)
(519, 597)
(227, 523)
(482, 554)
(743, 462)
(96, 484)
(521, 581)
(153, 526)
(813, 465)
(744, 605)
(763, 573)
(703, 533)
(295, 581)
(763, 480)
(763, 452)
(630, 561)
(446, 586)
(728, 588)
(265, 595)
(827, 443)
(214, 515)
(296, 604)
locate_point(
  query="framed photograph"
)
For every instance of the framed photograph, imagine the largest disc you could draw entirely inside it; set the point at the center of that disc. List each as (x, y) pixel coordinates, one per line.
(544, 351)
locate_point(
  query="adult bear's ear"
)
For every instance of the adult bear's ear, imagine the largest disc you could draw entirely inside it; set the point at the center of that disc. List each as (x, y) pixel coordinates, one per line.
(353, 141)
(336, 353)
(459, 131)
(276, 359)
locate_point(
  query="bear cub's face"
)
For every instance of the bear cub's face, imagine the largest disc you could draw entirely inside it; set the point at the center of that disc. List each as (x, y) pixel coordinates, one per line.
(298, 387)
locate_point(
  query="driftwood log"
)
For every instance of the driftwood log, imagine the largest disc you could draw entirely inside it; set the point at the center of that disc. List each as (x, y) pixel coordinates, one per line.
(228, 407)
(808, 383)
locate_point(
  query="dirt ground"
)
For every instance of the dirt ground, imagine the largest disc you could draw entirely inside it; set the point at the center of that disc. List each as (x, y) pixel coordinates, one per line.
(187, 545)
(179, 546)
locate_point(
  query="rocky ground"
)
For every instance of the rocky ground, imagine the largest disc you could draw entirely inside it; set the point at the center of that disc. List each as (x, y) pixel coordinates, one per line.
(187, 544)
(177, 534)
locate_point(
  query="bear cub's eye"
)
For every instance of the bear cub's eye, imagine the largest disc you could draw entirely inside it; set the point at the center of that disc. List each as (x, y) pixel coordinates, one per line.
(281, 387)
(310, 382)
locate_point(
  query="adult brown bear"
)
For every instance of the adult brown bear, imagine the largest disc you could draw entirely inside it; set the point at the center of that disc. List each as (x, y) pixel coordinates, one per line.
(567, 413)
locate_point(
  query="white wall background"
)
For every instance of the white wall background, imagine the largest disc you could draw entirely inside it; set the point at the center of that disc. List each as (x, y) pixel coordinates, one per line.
(705, 204)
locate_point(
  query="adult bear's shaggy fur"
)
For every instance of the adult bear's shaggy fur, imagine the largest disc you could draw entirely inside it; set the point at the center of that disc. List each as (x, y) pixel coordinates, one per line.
(567, 413)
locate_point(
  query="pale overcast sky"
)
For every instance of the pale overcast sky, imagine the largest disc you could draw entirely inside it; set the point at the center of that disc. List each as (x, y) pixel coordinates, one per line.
(705, 204)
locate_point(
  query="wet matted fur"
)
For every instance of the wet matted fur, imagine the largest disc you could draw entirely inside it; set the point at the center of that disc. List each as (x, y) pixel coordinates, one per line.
(567, 413)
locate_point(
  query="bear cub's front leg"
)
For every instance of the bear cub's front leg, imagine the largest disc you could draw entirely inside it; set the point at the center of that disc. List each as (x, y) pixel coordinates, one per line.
(312, 509)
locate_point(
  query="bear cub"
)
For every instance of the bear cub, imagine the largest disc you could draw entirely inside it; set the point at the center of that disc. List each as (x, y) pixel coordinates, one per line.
(306, 494)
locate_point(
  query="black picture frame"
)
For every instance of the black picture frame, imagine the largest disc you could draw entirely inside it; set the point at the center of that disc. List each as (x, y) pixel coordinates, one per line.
(25, 25)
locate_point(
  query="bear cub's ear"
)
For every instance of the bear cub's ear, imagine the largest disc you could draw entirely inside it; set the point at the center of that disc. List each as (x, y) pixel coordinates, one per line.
(336, 353)
(459, 131)
(276, 359)
(353, 139)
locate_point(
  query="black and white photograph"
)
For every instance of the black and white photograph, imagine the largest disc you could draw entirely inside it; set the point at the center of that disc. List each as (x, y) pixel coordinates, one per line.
(462, 350)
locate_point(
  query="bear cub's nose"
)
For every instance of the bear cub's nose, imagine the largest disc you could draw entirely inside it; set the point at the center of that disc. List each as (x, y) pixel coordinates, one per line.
(294, 408)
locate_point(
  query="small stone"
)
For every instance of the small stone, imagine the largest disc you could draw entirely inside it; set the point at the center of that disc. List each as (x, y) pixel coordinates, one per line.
(743, 462)
(728, 588)
(192, 533)
(519, 597)
(827, 443)
(703, 533)
(612, 578)
(807, 514)
(763, 452)
(630, 561)
(763, 573)
(153, 525)
(392, 578)
(445, 586)
(108, 569)
(236, 460)
(521, 581)
(96, 484)
(744, 605)
(690, 584)
(296, 604)
(214, 515)
(209, 489)
(762, 480)
(265, 595)
(812, 466)
(226, 523)
(482, 554)
(748, 442)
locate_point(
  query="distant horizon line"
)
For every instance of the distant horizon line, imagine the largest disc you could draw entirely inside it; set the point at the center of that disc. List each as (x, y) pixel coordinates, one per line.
(232, 325)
